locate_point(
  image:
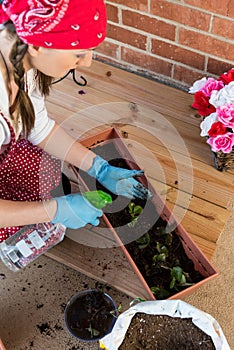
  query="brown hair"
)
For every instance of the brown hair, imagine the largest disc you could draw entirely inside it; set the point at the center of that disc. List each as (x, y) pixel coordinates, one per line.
(23, 107)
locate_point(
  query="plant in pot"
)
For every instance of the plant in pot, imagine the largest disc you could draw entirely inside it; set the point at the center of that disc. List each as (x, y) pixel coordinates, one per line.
(166, 260)
(165, 325)
(90, 314)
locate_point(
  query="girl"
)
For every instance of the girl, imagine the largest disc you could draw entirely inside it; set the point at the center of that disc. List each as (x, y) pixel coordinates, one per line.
(41, 40)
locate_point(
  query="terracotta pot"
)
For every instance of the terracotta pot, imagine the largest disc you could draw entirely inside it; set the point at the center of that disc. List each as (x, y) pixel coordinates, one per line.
(201, 263)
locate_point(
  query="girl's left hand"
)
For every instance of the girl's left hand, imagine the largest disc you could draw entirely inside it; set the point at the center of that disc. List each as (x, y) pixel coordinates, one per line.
(118, 180)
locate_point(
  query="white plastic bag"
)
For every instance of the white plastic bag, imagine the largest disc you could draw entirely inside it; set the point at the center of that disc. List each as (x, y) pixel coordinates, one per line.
(173, 308)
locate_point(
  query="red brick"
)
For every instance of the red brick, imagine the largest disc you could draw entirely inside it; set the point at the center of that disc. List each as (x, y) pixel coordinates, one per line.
(146, 61)
(108, 49)
(141, 5)
(126, 36)
(148, 24)
(206, 44)
(112, 13)
(222, 7)
(223, 27)
(186, 75)
(218, 67)
(176, 53)
(181, 14)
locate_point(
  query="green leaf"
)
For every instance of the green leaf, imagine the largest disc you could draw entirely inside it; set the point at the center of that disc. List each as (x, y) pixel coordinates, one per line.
(155, 290)
(168, 239)
(134, 301)
(172, 284)
(143, 241)
(177, 272)
(133, 222)
(131, 206)
(137, 210)
(161, 257)
(182, 280)
(93, 332)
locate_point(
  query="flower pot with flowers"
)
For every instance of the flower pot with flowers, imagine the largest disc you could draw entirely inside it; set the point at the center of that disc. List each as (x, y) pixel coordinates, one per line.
(214, 101)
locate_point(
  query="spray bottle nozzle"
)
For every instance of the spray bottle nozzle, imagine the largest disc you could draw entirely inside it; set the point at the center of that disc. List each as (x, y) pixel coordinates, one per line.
(98, 199)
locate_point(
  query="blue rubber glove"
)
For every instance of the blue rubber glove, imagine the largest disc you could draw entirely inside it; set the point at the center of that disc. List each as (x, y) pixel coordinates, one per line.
(75, 211)
(118, 180)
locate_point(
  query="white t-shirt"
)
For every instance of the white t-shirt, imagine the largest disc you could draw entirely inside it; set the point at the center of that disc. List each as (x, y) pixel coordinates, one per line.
(43, 124)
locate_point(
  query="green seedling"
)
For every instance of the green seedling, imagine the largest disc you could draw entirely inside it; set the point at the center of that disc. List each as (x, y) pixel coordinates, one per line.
(143, 241)
(119, 309)
(134, 211)
(162, 253)
(136, 300)
(179, 278)
(93, 332)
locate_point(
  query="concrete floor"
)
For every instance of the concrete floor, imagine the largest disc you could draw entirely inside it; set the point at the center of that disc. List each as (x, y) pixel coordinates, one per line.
(33, 301)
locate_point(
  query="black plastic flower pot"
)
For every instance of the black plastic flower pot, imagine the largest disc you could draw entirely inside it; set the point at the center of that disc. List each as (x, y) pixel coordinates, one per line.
(90, 315)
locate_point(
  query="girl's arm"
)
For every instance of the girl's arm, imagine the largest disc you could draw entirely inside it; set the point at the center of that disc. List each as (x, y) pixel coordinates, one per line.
(19, 213)
(61, 145)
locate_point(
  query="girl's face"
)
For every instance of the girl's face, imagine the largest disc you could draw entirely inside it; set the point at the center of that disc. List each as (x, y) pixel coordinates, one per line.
(56, 63)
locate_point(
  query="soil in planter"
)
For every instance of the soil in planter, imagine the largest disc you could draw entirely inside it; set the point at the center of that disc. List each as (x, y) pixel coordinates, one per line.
(150, 332)
(90, 316)
(158, 254)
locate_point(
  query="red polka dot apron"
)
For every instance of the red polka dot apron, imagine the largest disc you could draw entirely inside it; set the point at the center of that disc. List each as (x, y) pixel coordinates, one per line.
(27, 173)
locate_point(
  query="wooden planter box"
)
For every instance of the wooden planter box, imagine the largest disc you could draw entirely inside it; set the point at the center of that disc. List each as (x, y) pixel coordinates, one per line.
(201, 263)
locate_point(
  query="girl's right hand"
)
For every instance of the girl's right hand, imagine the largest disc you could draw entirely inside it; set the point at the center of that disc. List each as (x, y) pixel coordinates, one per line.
(74, 211)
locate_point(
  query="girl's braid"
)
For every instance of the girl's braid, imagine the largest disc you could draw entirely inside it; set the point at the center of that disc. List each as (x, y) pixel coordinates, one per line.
(23, 105)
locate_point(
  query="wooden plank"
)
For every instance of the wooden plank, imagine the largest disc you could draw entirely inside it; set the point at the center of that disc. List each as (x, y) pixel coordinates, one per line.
(134, 88)
(105, 265)
(201, 218)
(208, 183)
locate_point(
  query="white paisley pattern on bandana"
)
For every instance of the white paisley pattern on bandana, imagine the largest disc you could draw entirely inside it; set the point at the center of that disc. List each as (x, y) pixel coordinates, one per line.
(58, 24)
(42, 16)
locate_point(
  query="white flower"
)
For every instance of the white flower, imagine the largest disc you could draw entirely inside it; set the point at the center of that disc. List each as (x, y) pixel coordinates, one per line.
(223, 96)
(197, 85)
(207, 123)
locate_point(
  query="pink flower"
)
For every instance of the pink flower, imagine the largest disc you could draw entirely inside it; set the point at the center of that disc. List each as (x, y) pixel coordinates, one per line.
(226, 115)
(211, 85)
(222, 143)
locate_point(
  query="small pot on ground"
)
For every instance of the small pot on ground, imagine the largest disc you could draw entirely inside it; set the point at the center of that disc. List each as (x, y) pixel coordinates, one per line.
(90, 315)
(165, 325)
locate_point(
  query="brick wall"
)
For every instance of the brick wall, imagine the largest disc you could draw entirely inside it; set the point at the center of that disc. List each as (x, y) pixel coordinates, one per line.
(175, 41)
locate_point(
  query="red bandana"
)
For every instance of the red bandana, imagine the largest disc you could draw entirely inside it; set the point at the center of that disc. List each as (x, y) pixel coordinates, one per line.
(57, 24)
